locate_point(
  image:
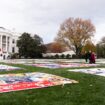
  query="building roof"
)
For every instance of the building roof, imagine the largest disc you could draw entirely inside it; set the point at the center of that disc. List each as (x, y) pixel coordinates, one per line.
(9, 32)
(2, 29)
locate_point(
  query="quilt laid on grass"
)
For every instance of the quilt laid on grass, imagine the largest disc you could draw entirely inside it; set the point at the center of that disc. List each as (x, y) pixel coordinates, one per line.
(8, 68)
(53, 65)
(64, 65)
(23, 81)
(95, 71)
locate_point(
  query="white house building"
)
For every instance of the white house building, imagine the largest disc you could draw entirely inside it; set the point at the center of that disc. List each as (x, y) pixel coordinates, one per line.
(7, 43)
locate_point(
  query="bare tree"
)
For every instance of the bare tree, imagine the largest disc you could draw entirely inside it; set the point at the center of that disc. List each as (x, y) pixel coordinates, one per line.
(75, 32)
(101, 48)
(103, 40)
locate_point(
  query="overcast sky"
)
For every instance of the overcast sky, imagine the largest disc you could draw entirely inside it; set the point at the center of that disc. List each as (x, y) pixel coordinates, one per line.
(43, 17)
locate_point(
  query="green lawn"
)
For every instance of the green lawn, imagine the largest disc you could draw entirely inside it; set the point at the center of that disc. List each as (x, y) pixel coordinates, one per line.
(89, 91)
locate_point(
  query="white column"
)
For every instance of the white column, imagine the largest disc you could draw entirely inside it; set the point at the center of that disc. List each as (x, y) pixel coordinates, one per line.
(6, 45)
(1, 43)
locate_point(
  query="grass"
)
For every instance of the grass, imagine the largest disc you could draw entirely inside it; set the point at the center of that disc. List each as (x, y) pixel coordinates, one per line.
(89, 91)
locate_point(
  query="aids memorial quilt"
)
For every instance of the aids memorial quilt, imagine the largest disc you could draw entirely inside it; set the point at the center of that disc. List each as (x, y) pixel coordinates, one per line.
(63, 65)
(23, 81)
(94, 71)
(46, 65)
(8, 68)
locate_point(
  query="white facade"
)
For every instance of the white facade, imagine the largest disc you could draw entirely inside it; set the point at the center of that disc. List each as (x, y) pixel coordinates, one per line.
(7, 43)
(71, 53)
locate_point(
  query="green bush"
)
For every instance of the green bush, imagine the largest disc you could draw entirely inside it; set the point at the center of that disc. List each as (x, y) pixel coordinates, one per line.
(62, 56)
(14, 56)
(56, 56)
(68, 56)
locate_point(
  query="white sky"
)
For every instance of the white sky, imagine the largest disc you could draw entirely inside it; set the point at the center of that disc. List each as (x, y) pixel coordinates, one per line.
(43, 17)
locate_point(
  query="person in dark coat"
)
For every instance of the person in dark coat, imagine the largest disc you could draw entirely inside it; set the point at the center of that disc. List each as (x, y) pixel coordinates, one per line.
(89, 56)
(92, 57)
(86, 56)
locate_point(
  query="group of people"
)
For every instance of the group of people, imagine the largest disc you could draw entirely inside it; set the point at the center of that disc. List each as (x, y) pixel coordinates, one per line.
(89, 57)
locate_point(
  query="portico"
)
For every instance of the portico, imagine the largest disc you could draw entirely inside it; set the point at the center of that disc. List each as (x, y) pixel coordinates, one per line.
(6, 43)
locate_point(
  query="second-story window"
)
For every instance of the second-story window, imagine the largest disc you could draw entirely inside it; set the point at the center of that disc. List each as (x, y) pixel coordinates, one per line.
(13, 41)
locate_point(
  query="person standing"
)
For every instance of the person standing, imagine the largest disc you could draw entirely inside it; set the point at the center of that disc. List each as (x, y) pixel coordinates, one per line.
(92, 57)
(86, 56)
(89, 56)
